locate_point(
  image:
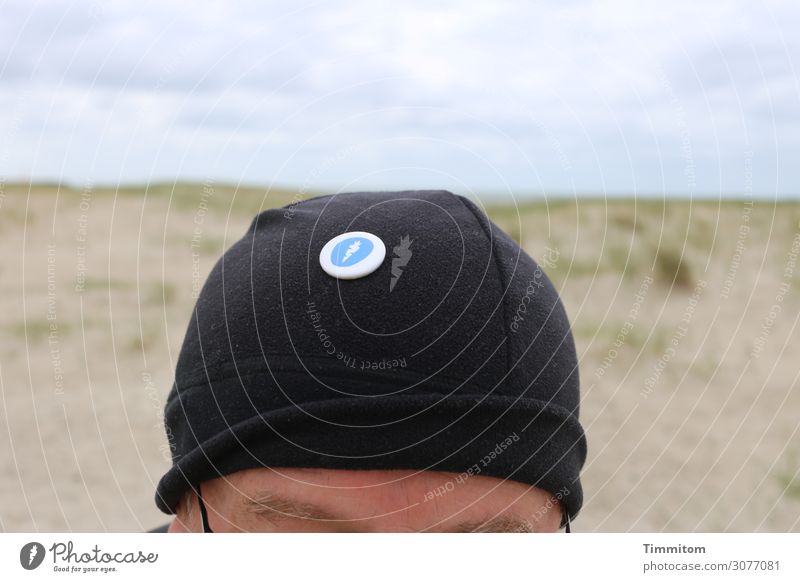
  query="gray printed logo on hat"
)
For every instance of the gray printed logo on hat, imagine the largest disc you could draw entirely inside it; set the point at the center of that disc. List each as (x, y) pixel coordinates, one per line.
(402, 254)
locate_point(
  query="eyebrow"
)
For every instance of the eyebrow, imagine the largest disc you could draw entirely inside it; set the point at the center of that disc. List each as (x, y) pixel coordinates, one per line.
(502, 524)
(276, 508)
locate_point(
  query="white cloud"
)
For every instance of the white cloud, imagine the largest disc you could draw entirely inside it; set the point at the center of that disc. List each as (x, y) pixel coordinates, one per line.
(595, 94)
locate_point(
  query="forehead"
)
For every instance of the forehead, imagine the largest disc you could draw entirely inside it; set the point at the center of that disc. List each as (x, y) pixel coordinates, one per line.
(420, 498)
(373, 481)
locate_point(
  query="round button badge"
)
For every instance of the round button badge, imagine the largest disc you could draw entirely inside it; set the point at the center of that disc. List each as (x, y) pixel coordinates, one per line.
(352, 255)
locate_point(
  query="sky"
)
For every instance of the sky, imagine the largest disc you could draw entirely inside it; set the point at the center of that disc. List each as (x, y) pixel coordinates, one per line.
(522, 98)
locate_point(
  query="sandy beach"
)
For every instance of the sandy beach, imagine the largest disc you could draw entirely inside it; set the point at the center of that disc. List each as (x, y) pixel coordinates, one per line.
(685, 316)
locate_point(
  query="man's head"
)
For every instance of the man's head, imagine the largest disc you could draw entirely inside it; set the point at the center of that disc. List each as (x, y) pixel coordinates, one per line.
(331, 500)
(372, 332)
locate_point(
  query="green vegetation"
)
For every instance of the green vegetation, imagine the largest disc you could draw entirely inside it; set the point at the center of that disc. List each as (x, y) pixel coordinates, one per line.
(143, 342)
(181, 196)
(161, 293)
(673, 268)
(36, 330)
(100, 284)
(789, 479)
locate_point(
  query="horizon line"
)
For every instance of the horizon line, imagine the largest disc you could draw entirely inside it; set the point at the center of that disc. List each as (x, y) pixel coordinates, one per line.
(527, 195)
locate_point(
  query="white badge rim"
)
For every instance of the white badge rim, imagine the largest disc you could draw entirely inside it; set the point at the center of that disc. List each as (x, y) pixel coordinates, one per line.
(360, 269)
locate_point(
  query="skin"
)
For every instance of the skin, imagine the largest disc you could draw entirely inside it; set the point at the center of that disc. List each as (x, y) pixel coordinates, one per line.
(327, 500)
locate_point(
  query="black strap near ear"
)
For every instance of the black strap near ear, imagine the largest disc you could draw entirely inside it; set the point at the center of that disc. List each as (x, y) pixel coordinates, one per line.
(203, 512)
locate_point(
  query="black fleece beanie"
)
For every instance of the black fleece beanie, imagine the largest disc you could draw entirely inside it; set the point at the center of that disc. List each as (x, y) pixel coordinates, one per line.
(452, 352)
